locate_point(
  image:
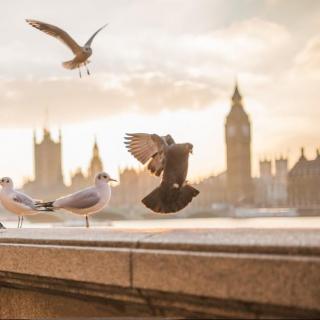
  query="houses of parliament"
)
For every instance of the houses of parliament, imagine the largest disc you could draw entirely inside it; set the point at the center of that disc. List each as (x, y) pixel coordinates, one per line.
(235, 186)
(49, 182)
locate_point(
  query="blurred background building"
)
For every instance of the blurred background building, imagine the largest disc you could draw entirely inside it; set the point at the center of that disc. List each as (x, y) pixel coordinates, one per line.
(238, 143)
(304, 183)
(49, 181)
(275, 186)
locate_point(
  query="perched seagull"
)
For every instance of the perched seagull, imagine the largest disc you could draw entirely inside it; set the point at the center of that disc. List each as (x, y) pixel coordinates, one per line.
(164, 155)
(81, 53)
(17, 202)
(87, 201)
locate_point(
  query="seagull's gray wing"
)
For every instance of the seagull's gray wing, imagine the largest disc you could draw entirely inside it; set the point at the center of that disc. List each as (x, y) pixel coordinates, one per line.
(88, 43)
(80, 200)
(145, 146)
(24, 199)
(57, 33)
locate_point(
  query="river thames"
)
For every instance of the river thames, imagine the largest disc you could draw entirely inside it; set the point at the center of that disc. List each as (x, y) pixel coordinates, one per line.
(184, 223)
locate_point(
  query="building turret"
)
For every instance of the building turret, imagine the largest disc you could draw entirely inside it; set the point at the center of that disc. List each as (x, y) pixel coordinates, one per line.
(47, 161)
(96, 165)
(265, 169)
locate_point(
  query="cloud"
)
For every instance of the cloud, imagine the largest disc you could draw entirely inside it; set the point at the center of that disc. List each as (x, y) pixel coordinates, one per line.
(308, 59)
(23, 101)
(249, 44)
(145, 71)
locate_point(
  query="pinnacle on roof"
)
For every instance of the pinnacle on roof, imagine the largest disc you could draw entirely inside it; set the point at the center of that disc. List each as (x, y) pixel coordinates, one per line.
(236, 95)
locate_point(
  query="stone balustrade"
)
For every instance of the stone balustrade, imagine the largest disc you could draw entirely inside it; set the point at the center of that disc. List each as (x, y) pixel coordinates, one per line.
(241, 273)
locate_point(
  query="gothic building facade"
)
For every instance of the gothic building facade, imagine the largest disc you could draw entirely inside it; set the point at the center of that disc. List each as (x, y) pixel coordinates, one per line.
(238, 147)
(48, 180)
(271, 189)
(304, 183)
(134, 186)
(47, 168)
(79, 179)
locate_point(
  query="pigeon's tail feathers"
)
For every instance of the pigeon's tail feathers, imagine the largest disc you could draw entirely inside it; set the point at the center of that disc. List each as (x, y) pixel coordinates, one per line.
(164, 200)
(153, 200)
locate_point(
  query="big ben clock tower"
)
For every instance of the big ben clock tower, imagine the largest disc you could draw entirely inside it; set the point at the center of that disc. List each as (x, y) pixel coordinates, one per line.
(238, 141)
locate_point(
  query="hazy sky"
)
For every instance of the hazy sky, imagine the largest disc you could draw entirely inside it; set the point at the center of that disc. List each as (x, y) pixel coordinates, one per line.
(164, 66)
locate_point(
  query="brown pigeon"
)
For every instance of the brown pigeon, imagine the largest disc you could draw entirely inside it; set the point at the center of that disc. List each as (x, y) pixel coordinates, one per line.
(165, 156)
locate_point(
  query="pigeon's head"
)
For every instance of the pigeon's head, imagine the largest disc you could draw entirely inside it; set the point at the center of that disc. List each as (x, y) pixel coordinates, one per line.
(103, 177)
(87, 50)
(6, 182)
(188, 147)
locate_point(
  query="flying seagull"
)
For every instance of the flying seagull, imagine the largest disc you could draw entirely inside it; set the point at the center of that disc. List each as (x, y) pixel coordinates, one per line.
(165, 156)
(2, 226)
(87, 201)
(17, 202)
(81, 53)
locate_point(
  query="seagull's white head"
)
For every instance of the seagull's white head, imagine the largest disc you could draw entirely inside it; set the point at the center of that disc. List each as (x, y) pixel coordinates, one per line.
(103, 178)
(6, 183)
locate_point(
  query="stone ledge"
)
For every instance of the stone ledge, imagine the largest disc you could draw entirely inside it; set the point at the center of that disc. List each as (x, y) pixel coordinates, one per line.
(273, 241)
(245, 272)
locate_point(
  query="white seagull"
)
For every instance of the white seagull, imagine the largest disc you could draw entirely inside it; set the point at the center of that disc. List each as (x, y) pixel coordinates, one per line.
(87, 201)
(81, 53)
(17, 202)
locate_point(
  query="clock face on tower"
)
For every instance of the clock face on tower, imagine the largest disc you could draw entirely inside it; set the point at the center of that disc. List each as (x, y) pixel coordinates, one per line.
(231, 131)
(245, 130)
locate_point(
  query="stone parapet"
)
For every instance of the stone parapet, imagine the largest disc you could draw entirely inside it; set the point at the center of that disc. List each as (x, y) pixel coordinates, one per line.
(73, 272)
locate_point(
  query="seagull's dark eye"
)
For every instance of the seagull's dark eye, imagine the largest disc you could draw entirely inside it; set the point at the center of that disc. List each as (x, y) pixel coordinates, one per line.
(105, 176)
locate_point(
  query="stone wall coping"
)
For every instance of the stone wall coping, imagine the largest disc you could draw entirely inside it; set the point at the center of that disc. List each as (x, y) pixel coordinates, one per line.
(271, 268)
(273, 241)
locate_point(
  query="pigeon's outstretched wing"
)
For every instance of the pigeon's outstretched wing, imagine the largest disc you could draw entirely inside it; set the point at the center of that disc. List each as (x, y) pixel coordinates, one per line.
(145, 146)
(88, 43)
(57, 33)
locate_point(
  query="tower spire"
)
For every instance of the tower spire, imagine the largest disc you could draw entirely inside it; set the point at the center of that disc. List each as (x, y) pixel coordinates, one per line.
(95, 147)
(95, 163)
(46, 132)
(236, 95)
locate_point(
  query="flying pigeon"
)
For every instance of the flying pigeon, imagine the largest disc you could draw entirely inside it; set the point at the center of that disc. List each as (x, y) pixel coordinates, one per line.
(17, 202)
(81, 53)
(87, 201)
(164, 156)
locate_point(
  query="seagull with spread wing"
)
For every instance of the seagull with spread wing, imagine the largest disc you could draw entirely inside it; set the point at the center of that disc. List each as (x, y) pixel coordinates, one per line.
(164, 156)
(81, 53)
